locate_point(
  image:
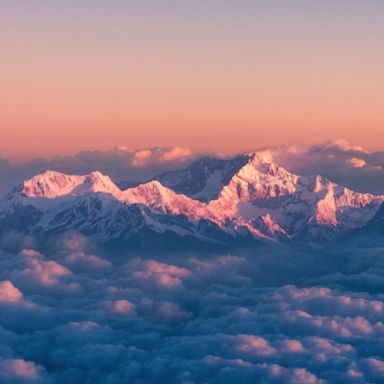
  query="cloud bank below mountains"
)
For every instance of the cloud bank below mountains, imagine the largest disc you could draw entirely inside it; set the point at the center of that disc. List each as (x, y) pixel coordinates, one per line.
(77, 315)
(338, 161)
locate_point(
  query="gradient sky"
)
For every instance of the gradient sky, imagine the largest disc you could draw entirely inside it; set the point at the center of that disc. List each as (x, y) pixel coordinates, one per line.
(210, 75)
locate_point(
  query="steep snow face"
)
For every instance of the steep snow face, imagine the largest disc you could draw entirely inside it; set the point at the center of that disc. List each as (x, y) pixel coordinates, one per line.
(51, 185)
(97, 182)
(153, 194)
(268, 198)
(258, 179)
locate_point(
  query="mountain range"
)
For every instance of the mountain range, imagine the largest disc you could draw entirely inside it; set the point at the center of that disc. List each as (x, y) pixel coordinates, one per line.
(245, 199)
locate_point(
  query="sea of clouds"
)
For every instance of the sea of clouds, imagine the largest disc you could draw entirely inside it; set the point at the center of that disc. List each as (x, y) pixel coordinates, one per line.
(75, 314)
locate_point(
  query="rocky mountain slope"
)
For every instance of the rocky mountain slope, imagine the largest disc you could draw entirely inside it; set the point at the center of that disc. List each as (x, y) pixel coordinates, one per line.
(211, 201)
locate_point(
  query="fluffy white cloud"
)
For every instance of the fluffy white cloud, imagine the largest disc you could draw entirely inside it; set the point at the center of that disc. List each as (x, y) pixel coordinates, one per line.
(33, 273)
(160, 274)
(120, 306)
(154, 156)
(20, 371)
(355, 162)
(80, 262)
(8, 292)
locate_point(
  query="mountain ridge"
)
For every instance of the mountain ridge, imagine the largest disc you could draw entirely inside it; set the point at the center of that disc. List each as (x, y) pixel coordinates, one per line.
(248, 196)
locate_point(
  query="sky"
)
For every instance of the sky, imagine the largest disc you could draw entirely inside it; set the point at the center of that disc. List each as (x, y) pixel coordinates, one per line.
(212, 75)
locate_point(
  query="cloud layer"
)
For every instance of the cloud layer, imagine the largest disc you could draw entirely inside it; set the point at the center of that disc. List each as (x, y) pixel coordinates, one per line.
(77, 315)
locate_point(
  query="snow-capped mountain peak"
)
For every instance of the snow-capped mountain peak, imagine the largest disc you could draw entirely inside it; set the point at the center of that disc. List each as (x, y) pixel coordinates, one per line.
(52, 184)
(97, 182)
(263, 193)
(154, 195)
(152, 192)
(249, 195)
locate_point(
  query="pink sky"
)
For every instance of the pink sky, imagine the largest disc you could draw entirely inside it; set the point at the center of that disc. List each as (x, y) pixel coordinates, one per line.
(210, 76)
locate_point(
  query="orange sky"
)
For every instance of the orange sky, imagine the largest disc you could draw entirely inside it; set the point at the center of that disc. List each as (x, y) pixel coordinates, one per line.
(210, 75)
